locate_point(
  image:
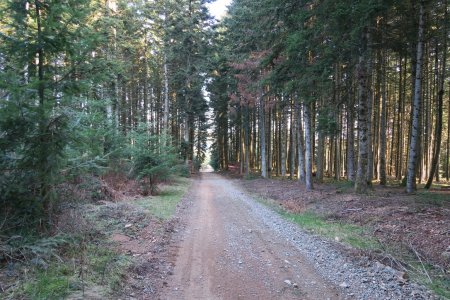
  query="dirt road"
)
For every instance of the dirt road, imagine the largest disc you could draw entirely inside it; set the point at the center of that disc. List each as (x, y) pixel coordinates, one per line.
(226, 252)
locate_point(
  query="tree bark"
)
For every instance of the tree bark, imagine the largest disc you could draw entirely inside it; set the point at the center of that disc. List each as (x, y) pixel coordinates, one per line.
(166, 96)
(262, 133)
(350, 142)
(447, 160)
(320, 156)
(413, 157)
(292, 142)
(383, 121)
(440, 107)
(40, 54)
(300, 146)
(247, 141)
(283, 146)
(308, 148)
(361, 183)
(337, 149)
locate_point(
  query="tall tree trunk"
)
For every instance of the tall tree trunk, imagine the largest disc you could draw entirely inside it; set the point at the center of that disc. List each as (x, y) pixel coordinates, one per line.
(370, 129)
(413, 157)
(279, 140)
(320, 156)
(186, 138)
(269, 142)
(383, 121)
(447, 160)
(255, 154)
(308, 148)
(440, 108)
(350, 141)
(247, 140)
(361, 183)
(283, 138)
(337, 149)
(45, 186)
(300, 146)
(292, 142)
(40, 54)
(399, 125)
(166, 96)
(262, 133)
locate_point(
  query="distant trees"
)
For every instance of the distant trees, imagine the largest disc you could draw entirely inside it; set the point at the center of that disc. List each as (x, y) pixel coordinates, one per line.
(367, 77)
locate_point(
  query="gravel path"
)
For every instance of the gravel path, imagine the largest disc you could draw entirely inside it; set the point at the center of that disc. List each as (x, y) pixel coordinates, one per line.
(236, 248)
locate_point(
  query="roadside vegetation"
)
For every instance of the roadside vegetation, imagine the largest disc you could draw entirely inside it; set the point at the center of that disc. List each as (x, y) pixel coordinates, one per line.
(81, 258)
(388, 226)
(97, 110)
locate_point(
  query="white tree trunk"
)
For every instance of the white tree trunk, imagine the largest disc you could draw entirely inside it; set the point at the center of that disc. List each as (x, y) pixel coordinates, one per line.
(413, 157)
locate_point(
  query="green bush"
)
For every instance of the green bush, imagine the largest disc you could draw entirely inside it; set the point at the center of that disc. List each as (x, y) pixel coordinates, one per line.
(153, 158)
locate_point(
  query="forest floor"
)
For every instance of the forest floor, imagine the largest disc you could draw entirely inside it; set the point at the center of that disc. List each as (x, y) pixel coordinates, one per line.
(419, 222)
(410, 233)
(109, 242)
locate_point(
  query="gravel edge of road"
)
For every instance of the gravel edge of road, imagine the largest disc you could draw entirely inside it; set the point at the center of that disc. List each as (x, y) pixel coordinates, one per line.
(357, 278)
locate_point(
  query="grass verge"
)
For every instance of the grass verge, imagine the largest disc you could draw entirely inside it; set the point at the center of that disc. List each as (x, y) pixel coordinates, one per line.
(362, 238)
(356, 236)
(353, 235)
(163, 206)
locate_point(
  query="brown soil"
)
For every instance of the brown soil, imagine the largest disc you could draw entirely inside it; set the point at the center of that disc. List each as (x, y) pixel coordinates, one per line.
(411, 221)
(153, 253)
(226, 253)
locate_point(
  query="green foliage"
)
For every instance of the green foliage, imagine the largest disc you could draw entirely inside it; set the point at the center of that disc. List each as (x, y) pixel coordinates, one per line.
(108, 266)
(37, 99)
(197, 163)
(48, 284)
(82, 264)
(164, 205)
(37, 249)
(153, 158)
(31, 155)
(354, 235)
(327, 122)
(214, 161)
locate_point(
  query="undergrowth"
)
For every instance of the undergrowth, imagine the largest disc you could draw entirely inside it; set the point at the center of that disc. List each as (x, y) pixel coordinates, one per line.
(78, 260)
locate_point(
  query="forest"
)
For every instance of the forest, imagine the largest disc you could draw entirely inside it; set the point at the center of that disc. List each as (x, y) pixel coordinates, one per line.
(96, 93)
(341, 89)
